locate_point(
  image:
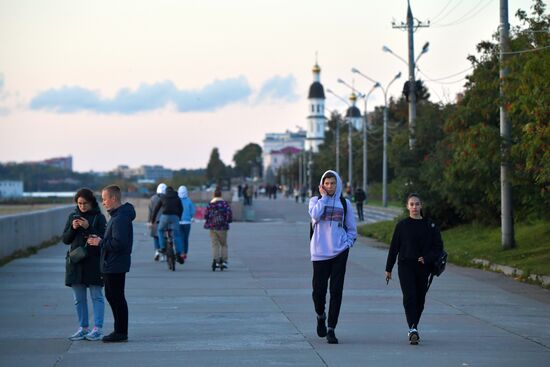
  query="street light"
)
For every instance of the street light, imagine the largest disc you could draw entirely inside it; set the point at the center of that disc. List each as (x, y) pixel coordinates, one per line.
(350, 168)
(337, 133)
(412, 88)
(385, 136)
(365, 129)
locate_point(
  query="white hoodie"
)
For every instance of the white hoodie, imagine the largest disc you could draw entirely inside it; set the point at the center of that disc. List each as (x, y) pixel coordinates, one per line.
(329, 236)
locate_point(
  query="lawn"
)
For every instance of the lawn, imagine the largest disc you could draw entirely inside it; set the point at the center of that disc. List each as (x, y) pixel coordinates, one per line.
(466, 242)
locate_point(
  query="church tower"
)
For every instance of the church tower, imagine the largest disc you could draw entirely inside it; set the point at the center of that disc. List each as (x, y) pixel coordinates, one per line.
(316, 120)
(353, 115)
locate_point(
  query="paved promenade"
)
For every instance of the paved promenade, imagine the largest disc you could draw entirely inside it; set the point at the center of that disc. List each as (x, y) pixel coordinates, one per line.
(260, 313)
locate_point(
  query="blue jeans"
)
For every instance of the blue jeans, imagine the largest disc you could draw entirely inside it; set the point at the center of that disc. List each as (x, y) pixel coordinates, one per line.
(172, 222)
(156, 242)
(185, 229)
(81, 304)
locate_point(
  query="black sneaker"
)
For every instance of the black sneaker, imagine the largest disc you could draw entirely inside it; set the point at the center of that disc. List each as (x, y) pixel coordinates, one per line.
(179, 259)
(413, 336)
(115, 338)
(321, 326)
(331, 338)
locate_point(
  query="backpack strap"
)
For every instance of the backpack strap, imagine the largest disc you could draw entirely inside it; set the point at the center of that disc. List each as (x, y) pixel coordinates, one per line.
(344, 205)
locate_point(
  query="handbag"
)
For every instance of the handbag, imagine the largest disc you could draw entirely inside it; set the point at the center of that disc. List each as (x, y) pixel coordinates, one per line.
(78, 254)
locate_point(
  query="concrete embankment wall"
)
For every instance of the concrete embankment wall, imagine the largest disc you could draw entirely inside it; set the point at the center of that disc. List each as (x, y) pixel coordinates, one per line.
(24, 230)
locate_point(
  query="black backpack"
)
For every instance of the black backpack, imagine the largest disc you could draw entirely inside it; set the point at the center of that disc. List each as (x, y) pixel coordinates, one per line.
(438, 267)
(344, 204)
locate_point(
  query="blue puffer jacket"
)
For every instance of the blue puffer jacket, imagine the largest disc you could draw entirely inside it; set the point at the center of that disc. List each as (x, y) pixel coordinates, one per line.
(116, 246)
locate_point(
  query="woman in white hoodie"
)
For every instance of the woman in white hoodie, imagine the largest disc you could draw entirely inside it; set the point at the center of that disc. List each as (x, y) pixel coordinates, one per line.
(334, 232)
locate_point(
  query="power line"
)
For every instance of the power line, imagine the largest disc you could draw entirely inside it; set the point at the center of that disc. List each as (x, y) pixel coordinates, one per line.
(450, 11)
(527, 50)
(445, 77)
(467, 16)
(442, 10)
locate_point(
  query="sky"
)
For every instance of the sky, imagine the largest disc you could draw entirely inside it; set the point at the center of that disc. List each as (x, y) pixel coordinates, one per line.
(164, 82)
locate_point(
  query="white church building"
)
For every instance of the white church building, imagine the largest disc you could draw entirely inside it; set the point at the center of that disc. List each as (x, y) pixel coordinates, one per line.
(277, 145)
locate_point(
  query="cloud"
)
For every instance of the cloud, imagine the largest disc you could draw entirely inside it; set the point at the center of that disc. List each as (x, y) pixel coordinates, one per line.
(146, 97)
(279, 88)
(3, 96)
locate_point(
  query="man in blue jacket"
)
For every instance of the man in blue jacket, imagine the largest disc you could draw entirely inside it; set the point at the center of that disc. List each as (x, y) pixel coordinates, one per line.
(116, 250)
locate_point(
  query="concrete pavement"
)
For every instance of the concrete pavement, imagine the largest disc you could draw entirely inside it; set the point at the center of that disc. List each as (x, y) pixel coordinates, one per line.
(260, 313)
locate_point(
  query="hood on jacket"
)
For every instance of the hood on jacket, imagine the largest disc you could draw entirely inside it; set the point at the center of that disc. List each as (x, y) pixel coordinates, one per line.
(339, 185)
(161, 188)
(125, 209)
(182, 192)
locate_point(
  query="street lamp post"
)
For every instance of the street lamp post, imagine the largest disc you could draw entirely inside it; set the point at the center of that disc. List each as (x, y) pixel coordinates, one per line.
(338, 142)
(365, 129)
(385, 135)
(412, 86)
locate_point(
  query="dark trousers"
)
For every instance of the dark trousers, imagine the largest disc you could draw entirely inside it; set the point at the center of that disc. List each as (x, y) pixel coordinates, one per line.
(114, 292)
(413, 278)
(360, 211)
(335, 270)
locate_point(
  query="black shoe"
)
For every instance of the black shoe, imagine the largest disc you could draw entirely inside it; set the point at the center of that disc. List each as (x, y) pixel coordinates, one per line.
(179, 259)
(331, 338)
(115, 338)
(413, 336)
(214, 265)
(321, 327)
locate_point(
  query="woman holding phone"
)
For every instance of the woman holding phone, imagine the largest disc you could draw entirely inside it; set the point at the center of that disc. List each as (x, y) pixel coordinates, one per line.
(85, 221)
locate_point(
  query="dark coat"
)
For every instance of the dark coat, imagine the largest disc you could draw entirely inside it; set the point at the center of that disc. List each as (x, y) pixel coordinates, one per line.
(170, 204)
(116, 245)
(86, 271)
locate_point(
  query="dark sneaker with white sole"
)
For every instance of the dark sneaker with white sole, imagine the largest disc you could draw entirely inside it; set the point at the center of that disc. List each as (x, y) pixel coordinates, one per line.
(321, 326)
(331, 337)
(413, 336)
(115, 338)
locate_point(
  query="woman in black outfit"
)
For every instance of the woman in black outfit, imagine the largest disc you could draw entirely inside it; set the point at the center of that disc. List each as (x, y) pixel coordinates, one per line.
(86, 220)
(416, 243)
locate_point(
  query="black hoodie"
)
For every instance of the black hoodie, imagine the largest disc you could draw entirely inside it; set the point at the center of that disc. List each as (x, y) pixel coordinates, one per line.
(116, 246)
(170, 203)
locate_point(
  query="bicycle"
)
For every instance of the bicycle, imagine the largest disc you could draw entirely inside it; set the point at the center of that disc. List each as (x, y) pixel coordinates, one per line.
(170, 254)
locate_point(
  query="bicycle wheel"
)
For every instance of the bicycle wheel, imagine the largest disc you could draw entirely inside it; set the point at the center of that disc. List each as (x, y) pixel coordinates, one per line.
(170, 257)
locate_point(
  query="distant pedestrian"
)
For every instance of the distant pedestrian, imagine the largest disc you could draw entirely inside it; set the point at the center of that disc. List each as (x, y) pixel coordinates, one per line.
(116, 250)
(186, 219)
(85, 274)
(360, 197)
(416, 243)
(172, 209)
(217, 217)
(334, 232)
(153, 222)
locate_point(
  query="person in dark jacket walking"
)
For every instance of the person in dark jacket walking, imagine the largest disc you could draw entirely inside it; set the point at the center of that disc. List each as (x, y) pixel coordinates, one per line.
(217, 217)
(360, 197)
(172, 209)
(154, 221)
(116, 250)
(84, 221)
(416, 243)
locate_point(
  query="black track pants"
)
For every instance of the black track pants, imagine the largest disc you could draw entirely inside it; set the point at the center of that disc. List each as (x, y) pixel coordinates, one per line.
(335, 269)
(114, 292)
(413, 278)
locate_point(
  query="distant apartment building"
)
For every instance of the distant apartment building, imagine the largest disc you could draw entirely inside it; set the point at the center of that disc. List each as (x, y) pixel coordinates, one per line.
(149, 173)
(276, 147)
(59, 162)
(11, 189)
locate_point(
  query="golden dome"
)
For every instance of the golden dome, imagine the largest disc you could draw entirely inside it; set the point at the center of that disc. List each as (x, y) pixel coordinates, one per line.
(316, 68)
(353, 97)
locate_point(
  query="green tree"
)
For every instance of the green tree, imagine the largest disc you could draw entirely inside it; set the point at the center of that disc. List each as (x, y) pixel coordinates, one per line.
(216, 171)
(248, 159)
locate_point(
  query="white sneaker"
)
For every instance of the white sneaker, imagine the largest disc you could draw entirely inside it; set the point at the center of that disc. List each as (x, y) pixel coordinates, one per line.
(79, 335)
(95, 334)
(413, 336)
(157, 255)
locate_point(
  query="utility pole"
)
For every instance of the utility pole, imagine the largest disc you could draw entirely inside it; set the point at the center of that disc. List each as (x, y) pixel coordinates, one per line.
(411, 26)
(507, 224)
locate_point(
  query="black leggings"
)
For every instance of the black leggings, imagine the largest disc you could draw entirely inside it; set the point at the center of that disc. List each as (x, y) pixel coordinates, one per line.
(114, 292)
(335, 269)
(413, 278)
